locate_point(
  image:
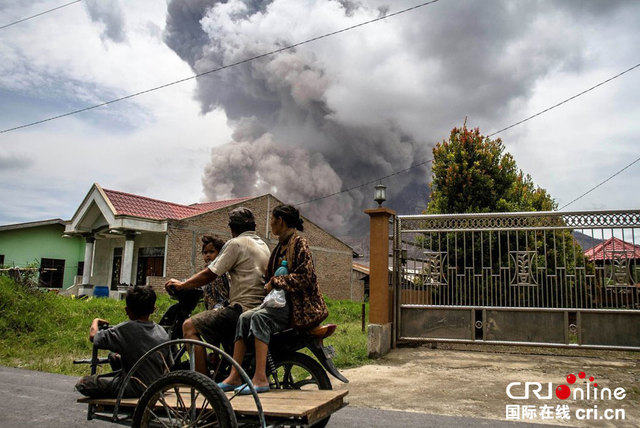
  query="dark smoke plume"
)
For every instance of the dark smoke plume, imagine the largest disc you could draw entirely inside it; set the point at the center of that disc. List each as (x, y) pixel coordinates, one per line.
(287, 138)
(360, 105)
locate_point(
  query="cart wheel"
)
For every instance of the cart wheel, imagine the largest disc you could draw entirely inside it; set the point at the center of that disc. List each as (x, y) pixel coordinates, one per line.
(184, 398)
(300, 371)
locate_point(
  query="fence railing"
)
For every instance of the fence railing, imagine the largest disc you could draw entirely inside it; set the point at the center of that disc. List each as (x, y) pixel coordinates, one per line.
(582, 260)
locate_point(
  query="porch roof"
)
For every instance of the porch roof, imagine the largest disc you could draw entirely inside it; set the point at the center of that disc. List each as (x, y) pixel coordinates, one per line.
(608, 249)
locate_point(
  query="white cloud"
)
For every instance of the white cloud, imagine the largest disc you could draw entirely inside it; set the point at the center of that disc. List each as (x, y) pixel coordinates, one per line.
(155, 144)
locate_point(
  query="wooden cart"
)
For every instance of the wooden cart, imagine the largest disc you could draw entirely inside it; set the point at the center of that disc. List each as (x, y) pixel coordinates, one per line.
(279, 407)
(188, 398)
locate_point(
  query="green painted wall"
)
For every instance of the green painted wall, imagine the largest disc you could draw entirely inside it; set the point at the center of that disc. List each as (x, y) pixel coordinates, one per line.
(22, 247)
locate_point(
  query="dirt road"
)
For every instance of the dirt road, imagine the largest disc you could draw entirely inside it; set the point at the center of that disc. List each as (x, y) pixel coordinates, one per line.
(466, 382)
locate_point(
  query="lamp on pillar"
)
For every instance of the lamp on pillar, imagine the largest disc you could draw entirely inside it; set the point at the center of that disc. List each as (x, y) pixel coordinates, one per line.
(380, 194)
(380, 293)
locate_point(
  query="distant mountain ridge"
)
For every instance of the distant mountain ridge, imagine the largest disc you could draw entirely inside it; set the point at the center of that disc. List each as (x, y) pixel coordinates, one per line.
(360, 245)
(585, 241)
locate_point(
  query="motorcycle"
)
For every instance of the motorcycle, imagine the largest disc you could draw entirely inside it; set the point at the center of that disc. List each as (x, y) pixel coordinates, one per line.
(287, 367)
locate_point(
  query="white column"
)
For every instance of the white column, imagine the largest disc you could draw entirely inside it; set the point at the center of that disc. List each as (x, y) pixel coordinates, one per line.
(88, 259)
(127, 261)
(166, 252)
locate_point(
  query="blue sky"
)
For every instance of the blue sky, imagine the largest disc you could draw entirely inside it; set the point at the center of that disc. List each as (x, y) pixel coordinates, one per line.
(414, 76)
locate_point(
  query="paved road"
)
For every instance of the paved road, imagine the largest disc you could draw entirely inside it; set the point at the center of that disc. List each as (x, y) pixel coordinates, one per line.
(29, 398)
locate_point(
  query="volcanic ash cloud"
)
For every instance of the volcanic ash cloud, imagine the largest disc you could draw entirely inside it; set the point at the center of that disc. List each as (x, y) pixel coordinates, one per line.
(296, 133)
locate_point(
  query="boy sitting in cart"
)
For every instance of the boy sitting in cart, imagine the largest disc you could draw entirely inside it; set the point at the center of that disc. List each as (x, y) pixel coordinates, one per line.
(131, 340)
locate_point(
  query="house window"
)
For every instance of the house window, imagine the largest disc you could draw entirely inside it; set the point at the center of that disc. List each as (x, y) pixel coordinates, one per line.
(1, 259)
(115, 268)
(80, 271)
(51, 273)
(150, 263)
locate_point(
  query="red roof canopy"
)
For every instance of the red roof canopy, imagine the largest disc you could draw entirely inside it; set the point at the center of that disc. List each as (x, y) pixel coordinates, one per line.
(612, 248)
(141, 206)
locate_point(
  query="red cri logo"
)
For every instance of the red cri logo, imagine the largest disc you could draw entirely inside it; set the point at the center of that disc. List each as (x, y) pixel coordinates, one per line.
(563, 391)
(585, 389)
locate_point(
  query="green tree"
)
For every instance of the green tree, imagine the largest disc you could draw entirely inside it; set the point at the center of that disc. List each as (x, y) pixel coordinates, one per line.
(472, 173)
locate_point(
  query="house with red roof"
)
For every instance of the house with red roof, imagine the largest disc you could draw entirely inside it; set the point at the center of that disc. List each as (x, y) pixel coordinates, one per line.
(620, 258)
(613, 248)
(133, 239)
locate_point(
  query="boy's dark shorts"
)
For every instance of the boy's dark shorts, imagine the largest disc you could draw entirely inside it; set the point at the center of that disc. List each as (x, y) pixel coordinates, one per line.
(106, 386)
(218, 326)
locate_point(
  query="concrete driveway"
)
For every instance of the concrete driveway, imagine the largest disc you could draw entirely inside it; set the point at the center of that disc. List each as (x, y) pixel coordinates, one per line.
(471, 382)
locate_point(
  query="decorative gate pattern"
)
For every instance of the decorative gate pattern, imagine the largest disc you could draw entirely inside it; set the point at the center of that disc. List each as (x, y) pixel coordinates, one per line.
(545, 278)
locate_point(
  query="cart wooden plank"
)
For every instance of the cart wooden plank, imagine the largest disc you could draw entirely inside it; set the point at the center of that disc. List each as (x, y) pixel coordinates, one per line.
(125, 402)
(289, 403)
(309, 406)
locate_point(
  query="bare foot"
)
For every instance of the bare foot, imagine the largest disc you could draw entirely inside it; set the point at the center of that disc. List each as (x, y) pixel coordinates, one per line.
(260, 382)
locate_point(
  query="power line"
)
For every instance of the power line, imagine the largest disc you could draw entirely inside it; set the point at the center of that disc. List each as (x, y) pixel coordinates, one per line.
(598, 185)
(303, 43)
(567, 100)
(273, 52)
(39, 14)
(497, 132)
(365, 184)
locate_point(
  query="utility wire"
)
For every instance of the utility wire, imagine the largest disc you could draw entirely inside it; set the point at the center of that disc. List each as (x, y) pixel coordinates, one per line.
(39, 14)
(566, 101)
(365, 184)
(598, 185)
(273, 52)
(497, 132)
(303, 43)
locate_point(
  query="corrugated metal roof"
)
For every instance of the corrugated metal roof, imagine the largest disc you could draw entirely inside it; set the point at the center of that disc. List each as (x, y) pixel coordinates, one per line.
(141, 206)
(360, 268)
(34, 224)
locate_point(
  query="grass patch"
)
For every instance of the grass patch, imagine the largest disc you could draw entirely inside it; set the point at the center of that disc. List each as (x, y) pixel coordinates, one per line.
(349, 341)
(46, 332)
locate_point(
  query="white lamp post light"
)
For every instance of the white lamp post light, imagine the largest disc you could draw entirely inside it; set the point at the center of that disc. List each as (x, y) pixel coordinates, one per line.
(380, 194)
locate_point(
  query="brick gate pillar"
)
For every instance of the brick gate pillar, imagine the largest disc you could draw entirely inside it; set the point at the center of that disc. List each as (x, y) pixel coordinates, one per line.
(380, 298)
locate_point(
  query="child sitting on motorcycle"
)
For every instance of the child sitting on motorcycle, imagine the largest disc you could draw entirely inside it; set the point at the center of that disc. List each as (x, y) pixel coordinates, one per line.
(216, 293)
(305, 306)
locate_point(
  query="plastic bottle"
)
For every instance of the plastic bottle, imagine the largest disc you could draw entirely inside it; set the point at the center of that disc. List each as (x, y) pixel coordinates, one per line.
(282, 270)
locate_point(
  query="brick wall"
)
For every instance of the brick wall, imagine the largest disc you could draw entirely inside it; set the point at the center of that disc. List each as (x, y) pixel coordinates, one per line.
(332, 257)
(357, 285)
(334, 272)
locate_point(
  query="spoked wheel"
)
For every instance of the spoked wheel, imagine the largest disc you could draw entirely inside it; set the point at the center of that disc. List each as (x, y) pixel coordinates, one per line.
(184, 399)
(300, 371)
(217, 367)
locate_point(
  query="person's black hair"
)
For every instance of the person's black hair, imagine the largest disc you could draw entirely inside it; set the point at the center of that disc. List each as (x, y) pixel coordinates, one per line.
(237, 229)
(290, 215)
(216, 242)
(141, 300)
(241, 220)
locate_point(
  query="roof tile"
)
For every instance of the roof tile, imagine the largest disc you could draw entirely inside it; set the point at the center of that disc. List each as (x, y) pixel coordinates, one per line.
(141, 206)
(611, 247)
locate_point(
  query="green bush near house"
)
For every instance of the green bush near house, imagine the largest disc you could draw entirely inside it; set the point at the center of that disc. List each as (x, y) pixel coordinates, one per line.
(46, 332)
